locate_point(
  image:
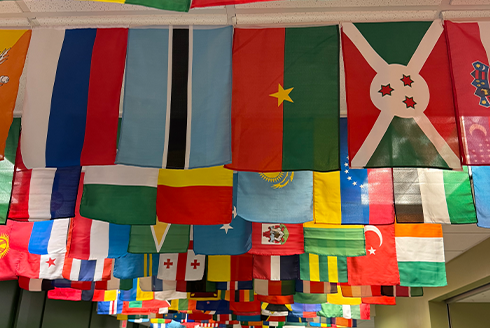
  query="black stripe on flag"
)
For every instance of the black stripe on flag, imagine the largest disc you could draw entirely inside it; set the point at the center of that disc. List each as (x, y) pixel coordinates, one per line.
(408, 200)
(178, 104)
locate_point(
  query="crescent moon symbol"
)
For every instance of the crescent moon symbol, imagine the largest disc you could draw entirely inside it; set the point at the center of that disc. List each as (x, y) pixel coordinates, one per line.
(376, 231)
(474, 127)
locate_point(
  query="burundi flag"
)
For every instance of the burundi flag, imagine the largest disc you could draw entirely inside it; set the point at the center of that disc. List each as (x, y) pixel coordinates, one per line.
(285, 105)
(7, 168)
(71, 107)
(353, 196)
(177, 98)
(334, 240)
(159, 238)
(174, 5)
(420, 255)
(433, 196)
(315, 267)
(399, 96)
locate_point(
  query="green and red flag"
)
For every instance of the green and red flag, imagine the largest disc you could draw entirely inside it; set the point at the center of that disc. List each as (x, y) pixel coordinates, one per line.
(285, 105)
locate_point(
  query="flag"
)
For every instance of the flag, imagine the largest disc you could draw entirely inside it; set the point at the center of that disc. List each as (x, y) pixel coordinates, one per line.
(65, 294)
(281, 119)
(353, 196)
(277, 239)
(360, 291)
(399, 96)
(469, 58)
(481, 188)
(35, 285)
(275, 267)
(401, 291)
(285, 197)
(48, 237)
(13, 50)
(182, 266)
(9, 258)
(381, 300)
(64, 283)
(235, 285)
(315, 287)
(198, 196)
(49, 266)
(433, 196)
(230, 267)
(104, 295)
(339, 298)
(71, 107)
(420, 255)
(132, 266)
(43, 193)
(175, 5)
(334, 240)
(109, 307)
(361, 311)
(159, 238)
(7, 168)
(213, 3)
(315, 267)
(177, 98)
(87, 270)
(274, 288)
(311, 298)
(378, 266)
(120, 194)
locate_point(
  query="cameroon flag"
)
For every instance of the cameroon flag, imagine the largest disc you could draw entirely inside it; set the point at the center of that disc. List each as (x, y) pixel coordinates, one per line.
(285, 104)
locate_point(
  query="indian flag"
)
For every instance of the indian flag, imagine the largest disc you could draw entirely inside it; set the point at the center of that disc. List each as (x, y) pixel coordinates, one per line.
(420, 255)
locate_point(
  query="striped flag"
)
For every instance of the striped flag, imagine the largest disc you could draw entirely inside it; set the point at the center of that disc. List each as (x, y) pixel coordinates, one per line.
(87, 270)
(230, 267)
(182, 266)
(235, 285)
(177, 98)
(361, 311)
(7, 168)
(275, 267)
(71, 107)
(401, 291)
(315, 267)
(109, 307)
(42, 238)
(132, 266)
(360, 291)
(35, 285)
(315, 287)
(267, 287)
(49, 266)
(334, 240)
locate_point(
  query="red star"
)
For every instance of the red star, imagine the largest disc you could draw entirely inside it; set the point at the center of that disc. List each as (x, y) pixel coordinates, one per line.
(406, 80)
(50, 262)
(409, 102)
(386, 90)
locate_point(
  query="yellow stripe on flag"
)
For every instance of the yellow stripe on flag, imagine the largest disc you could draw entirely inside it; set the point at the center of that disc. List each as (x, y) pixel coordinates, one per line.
(110, 295)
(314, 262)
(326, 198)
(333, 270)
(210, 176)
(331, 226)
(219, 268)
(8, 38)
(339, 299)
(143, 296)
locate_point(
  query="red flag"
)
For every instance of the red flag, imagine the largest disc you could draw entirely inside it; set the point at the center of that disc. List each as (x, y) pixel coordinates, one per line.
(383, 300)
(9, 258)
(66, 294)
(277, 239)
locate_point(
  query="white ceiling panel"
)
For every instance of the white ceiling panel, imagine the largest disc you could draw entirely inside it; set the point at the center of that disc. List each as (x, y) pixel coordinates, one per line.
(339, 3)
(469, 2)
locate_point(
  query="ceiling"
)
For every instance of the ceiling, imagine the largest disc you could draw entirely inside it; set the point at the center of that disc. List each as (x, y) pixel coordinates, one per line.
(460, 238)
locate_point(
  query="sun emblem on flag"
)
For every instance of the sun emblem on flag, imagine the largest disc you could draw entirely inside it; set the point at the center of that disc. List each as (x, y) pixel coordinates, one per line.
(4, 245)
(480, 82)
(280, 179)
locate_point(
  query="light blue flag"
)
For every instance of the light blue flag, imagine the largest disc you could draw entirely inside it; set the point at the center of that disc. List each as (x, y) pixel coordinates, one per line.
(177, 98)
(132, 266)
(278, 197)
(481, 176)
(234, 238)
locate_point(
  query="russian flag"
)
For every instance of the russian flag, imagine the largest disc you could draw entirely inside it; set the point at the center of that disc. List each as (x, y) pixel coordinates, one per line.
(83, 270)
(73, 88)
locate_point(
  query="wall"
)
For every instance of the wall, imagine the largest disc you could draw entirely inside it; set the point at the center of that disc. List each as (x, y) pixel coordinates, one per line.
(467, 271)
(474, 315)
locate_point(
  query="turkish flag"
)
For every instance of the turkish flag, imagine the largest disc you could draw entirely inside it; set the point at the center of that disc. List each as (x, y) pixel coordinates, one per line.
(379, 266)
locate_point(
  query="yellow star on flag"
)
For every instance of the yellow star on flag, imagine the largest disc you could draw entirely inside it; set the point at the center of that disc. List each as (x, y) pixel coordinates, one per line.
(282, 95)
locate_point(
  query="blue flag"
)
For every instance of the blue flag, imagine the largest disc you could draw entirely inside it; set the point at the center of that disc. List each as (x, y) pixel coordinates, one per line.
(481, 176)
(132, 266)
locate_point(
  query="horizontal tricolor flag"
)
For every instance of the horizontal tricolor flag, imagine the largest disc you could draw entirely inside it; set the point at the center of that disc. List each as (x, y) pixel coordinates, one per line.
(71, 107)
(274, 288)
(87, 270)
(177, 98)
(272, 267)
(315, 267)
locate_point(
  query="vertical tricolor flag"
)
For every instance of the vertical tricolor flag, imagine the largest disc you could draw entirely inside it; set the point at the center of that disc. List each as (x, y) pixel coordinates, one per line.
(285, 105)
(399, 96)
(87, 270)
(177, 98)
(315, 287)
(7, 168)
(230, 267)
(315, 267)
(35, 285)
(273, 267)
(274, 288)
(361, 291)
(71, 107)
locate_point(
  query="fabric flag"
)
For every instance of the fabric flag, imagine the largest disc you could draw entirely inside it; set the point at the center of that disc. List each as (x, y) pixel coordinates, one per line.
(334, 240)
(174, 5)
(9, 258)
(340, 299)
(65, 283)
(132, 266)
(481, 174)
(104, 295)
(159, 238)
(13, 50)
(277, 239)
(230, 267)
(420, 255)
(35, 285)
(177, 98)
(120, 194)
(273, 288)
(353, 196)
(469, 53)
(213, 3)
(182, 266)
(315, 267)
(433, 196)
(361, 311)
(235, 285)
(275, 267)
(378, 266)
(399, 96)
(281, 119)
(7, 167)
(199, 196)
(400, 291)
(87, 270)
(35, 266)
(360, 291)
(311, 298)
(48, 237)
(43, 193)
(109, 307)
(315, 287)
(381, 300)
(71, 107)
(285, 197)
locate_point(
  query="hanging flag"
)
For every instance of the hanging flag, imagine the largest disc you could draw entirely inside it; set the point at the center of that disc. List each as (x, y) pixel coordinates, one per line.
(213, 3)
(378, 266)
(401, 291)
(273, 288)
(277, 239)
(198, 196)
(468, 52)
(230, 267)
(361, 311)
(315, 287)
(315, 267)
(13, 50)
(420, 255)
(433, 196)
(159, 238)
(120, 194)
(481, 174)
(285, 197)
(281, 121)
(275, 267)
(399, 96)
(235, 285)
(7, 168)
(35, 266)
(182, 266)
(360, 291)
(177, 98)
(87, 270)
(9, 258)
(334, 240)
(132, 266)
(110, 307)
(35, 285)
(381, 300)
(353, 196)
(48, 237)
(71, 107)
(174, 5)
(342, 300)
(311, 298)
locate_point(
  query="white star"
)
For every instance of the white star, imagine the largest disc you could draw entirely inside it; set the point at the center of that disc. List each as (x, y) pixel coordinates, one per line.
(346, 171)
(234, 212)
(349, 178)
(362, 186)
(354, 183)
(347, 157)
(371, 251)
(226, 227)
(346, 164)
